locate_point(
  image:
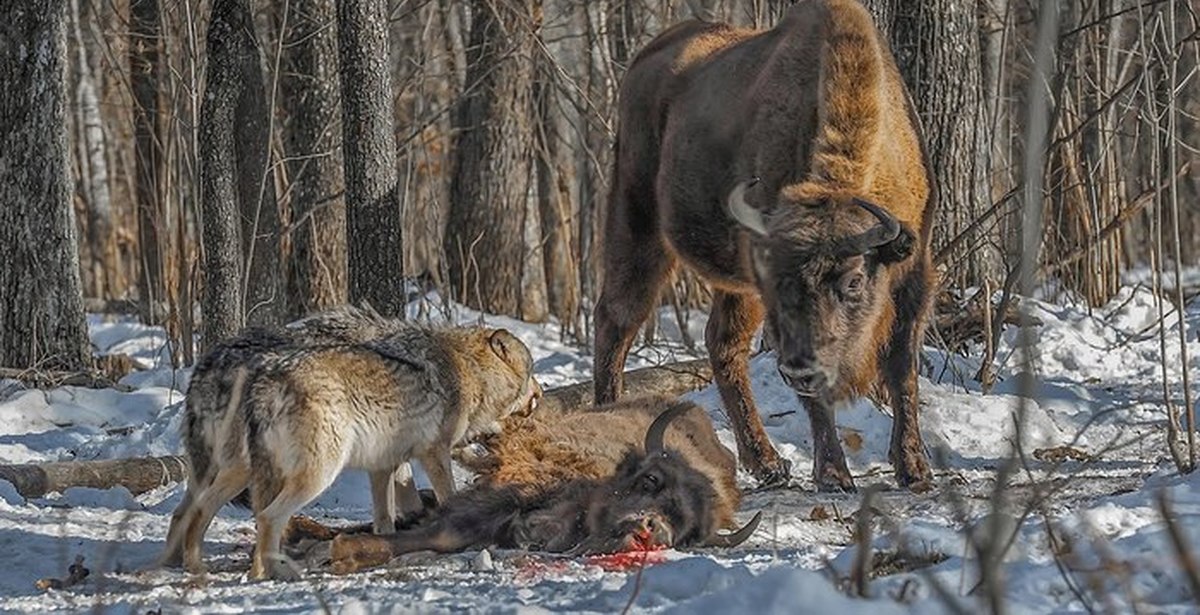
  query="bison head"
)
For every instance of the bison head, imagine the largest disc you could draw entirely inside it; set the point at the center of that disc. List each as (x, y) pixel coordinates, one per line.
(656, 500)
(820, 260)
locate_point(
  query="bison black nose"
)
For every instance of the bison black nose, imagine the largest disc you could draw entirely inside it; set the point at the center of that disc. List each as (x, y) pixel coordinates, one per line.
(804, 380)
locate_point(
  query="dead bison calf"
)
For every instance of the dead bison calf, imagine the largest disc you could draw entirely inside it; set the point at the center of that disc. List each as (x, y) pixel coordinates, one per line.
(830, 245)
(567, 494)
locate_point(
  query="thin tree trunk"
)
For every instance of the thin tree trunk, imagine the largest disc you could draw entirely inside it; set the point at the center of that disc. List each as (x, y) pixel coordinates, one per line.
(488, 202)
(144, 43)
(93, 164)
(41, 306)
(263, 288)
(373, 214)
(554, 203)
(317, 272)
(222, 304)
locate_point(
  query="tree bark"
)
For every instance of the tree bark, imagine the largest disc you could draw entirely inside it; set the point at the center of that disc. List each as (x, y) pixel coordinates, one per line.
(554, 204)
(139, 475)
(41, 305)
(484, 243)
(373, 214)
(262, 287)
(144, 35)
(93, 164)
(222, 304)
(317, 272)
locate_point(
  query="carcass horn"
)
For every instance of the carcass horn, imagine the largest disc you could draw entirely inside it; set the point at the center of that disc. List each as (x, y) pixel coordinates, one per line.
(741, 211)
(738, 537)
(654, 435)
(887, 230)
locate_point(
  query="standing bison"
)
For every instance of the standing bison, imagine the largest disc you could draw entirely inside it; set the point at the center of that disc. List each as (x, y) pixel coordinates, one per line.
(785, 167)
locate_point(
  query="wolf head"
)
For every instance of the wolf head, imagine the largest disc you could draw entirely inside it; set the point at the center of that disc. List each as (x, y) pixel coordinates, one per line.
(503, 369)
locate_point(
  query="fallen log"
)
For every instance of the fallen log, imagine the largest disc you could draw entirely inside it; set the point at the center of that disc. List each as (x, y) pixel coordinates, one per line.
(49, 379)
(141, 474)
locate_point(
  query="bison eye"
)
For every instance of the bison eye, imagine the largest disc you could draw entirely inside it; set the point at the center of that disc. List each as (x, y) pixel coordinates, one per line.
(852, 284)
(649, 483)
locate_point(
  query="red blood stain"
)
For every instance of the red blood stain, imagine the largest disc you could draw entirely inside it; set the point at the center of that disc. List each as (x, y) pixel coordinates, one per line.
(628, 560)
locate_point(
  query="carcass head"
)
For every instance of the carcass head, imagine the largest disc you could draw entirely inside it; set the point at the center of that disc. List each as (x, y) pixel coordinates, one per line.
(656, 500)
(821, 261)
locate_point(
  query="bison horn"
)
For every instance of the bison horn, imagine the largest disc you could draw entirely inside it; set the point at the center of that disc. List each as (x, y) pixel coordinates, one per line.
(887, 230)
(741, 211)
(654, 435)
(738, 537)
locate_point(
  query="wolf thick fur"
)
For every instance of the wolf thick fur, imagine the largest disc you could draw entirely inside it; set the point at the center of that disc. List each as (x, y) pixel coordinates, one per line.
(213, 394)
(312, 411)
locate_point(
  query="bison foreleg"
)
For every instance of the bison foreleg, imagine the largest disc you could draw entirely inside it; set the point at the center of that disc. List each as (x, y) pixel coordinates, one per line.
(829, 461)
(731, 326)
(907, 452)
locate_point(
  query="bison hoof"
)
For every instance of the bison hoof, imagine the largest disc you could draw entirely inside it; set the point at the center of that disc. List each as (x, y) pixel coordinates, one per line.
(918, 480)
(833, 478)
(774, 476)
(834, 485)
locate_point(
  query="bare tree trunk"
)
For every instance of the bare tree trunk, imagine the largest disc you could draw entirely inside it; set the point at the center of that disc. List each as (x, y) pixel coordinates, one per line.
(373, 214)
(317, 272)
(489, 197)
(41, 306)
(93, 164)
(593, 153)
(554, 203)
(262, 286)
(144, 43)
(222, 305)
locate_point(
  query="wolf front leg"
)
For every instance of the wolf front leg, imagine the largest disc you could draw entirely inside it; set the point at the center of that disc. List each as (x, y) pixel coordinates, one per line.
(383, 501)
(436, 462)
(408, 501)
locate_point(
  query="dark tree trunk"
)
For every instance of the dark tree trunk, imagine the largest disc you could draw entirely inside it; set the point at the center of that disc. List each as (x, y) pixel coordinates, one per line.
(263, 284)
(937, 48)
(484, 243)
(41, 306)
(222, 304)
(373, 215)
(144, 41)
(317, 267)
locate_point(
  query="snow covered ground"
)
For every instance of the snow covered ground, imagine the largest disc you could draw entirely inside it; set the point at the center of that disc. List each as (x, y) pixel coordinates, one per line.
(1087, 529)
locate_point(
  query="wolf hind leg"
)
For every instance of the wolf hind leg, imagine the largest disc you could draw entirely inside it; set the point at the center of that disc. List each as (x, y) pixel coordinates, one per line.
(224, 487)
(173, 552)
(298, 489)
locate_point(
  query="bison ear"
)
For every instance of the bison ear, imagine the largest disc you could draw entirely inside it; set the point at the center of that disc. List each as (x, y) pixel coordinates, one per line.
(899, 248)
(506, 345)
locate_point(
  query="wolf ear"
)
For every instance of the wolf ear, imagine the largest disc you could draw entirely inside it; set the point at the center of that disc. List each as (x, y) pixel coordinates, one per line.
(506, 345)
(899, 248)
